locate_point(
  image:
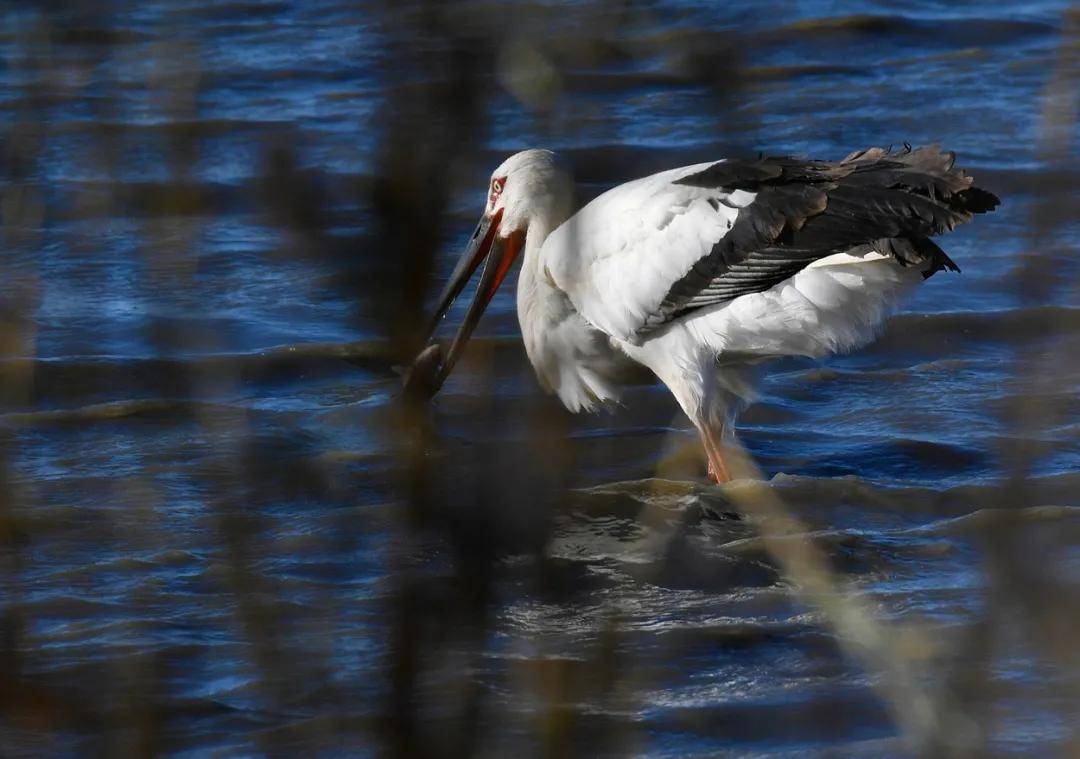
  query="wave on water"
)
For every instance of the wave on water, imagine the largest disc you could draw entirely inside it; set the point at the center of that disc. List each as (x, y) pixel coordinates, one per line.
(808, 493)
(219, 532)
(951, 30)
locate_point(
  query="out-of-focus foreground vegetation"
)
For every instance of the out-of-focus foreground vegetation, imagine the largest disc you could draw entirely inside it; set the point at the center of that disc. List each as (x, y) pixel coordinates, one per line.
(118, 93)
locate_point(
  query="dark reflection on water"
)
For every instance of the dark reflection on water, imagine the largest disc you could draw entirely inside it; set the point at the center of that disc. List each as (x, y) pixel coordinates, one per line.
(222, 530)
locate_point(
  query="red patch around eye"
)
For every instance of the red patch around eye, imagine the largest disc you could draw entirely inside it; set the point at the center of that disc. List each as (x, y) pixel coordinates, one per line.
(496, 190)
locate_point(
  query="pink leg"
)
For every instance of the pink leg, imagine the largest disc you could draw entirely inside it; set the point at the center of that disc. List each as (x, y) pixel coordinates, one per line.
(718, 470)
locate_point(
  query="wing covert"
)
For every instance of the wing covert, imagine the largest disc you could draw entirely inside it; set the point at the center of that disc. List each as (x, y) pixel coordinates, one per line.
(652, 250)
(618, 257)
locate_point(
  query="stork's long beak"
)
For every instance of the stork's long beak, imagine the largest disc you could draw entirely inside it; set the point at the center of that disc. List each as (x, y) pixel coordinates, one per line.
(498, 254)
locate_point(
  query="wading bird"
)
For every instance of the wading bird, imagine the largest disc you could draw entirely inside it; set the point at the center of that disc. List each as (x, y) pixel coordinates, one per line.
(701, 273)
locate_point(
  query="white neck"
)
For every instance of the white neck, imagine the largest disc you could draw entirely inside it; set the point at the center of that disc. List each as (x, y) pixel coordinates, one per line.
(533, 287)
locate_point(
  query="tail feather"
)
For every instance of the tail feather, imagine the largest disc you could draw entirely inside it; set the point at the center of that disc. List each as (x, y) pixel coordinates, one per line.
(911, 251)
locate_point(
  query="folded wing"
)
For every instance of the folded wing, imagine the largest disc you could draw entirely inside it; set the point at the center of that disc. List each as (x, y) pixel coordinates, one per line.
(651, 251)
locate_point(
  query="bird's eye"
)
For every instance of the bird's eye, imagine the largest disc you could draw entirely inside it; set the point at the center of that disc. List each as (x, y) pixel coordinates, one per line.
(496, 186)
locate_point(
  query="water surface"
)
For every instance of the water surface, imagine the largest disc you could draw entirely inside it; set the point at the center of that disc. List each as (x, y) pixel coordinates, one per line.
(216, 537)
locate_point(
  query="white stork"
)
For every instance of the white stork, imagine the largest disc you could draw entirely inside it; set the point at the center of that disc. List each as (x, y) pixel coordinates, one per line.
(702, 272)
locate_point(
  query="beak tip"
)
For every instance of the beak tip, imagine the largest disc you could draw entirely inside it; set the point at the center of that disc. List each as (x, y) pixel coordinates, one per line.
(424, 376)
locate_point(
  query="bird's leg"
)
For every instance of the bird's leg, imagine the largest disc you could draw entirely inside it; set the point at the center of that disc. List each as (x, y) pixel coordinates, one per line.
(718, 470)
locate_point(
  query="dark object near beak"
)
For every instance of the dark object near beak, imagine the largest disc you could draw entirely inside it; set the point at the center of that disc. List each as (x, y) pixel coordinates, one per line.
(426, 374)
(422, 377)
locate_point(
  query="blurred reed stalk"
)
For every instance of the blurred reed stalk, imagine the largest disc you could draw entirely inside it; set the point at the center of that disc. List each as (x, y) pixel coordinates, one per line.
(443, 62)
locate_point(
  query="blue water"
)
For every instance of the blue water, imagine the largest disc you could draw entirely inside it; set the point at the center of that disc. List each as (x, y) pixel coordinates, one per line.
(211, 538)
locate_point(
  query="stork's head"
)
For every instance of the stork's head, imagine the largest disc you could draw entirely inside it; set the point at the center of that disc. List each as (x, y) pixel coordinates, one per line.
(533, 188)
(533, 185)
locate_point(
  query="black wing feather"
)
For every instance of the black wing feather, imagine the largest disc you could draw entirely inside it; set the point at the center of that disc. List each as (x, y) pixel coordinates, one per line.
(891, 202)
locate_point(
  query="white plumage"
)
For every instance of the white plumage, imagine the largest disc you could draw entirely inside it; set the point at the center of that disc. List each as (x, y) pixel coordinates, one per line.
(702, 272)
(619, 255)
